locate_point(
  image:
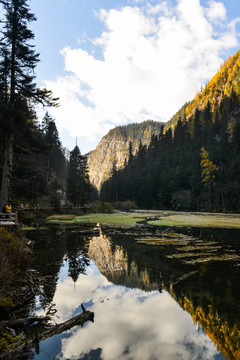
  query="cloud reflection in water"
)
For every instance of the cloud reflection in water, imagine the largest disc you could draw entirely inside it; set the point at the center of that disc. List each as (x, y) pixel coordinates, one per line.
(129, 323)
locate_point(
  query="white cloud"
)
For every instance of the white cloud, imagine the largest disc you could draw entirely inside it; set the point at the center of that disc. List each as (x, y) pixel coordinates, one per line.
(153, 59)
(150, 325)
(163, 7)
(216, 11)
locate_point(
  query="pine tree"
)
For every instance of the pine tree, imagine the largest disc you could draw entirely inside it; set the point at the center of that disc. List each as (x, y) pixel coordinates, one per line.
(17, 63)
(74, 176)
(86, 186)
(78, 184)
(56, 161)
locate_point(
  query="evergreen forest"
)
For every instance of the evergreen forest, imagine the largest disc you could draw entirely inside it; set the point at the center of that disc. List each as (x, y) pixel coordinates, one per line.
(34, 166)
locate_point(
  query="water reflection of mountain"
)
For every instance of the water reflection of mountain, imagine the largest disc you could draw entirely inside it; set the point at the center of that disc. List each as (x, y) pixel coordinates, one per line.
(212, 299)
(227, 338)
(114, 264)
(209, 291)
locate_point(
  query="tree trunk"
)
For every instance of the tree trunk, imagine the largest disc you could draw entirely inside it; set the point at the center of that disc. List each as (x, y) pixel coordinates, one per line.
(7, 170)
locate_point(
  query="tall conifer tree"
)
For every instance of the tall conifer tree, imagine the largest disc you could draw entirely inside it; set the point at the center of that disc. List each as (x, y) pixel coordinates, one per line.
(78, 184)
(18, 88)
(56, 160)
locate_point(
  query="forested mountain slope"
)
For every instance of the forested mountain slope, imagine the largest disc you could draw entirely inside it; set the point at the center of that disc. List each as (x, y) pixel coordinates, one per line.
(224, 83)
(113, 150)
(198, 166)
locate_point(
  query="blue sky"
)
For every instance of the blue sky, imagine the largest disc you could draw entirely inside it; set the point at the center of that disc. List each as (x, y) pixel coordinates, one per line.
(113, 62)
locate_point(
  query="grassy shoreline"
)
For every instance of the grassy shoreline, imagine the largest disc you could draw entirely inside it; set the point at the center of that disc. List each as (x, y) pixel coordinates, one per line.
(155, 218)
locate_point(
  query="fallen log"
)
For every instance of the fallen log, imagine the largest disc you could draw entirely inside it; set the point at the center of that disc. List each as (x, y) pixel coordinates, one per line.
(54, 330)
(26, 321)
(76, 320)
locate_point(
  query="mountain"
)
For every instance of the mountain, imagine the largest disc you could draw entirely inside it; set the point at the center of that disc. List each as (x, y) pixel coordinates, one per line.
(113, 149)
(224, 83)
(195, 164)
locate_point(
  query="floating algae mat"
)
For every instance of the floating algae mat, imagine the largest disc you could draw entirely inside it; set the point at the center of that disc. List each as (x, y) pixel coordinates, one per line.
(189, 249)
(196, 248)
(226, 257)
(166, 239)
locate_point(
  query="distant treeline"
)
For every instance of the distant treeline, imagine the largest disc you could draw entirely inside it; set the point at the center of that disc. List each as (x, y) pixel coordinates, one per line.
(135, 131)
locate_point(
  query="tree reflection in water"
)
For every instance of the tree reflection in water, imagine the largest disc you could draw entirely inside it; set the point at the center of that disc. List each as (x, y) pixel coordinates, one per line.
(133, 320)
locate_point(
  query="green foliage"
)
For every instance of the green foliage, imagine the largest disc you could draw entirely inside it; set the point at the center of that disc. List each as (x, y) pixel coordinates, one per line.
(116, 218)
(56, 191)
(14, 260)
(55, 202)
(78, 184)
(37, 165)
(208, 169)
(104, 207)
(9, 341)
(55, 158)
(126, 205)
(101, 207)
(20, 152)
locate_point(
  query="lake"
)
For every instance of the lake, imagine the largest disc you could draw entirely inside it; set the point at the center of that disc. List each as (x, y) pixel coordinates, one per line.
(155, 293)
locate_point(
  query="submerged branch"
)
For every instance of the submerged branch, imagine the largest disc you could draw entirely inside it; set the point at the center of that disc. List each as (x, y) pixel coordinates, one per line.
(76, 320)
(54, 330)
(26, 321)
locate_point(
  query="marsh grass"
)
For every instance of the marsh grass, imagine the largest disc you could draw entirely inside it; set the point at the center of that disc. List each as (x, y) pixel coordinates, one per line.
(61, 218)
(160, 219)
(214, 221)
(116, 218)
(119, 218)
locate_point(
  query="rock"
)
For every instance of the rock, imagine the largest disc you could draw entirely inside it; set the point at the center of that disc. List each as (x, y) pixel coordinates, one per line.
(114, 148)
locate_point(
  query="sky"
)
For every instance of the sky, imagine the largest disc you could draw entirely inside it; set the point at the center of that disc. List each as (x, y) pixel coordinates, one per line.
(115, 62)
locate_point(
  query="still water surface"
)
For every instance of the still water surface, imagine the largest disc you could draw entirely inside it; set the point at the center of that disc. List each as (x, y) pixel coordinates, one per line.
(150, 299)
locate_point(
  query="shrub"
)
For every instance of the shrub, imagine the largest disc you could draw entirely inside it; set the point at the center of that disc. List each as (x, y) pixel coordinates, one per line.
(55, 202)
(14, 259)
(125, 205)
(101, 207)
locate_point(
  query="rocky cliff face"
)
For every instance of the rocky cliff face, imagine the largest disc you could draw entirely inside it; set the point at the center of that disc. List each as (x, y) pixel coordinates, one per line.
(114, 148)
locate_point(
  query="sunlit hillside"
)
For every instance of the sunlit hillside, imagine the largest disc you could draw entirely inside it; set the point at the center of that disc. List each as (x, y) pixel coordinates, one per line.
(225, 83)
